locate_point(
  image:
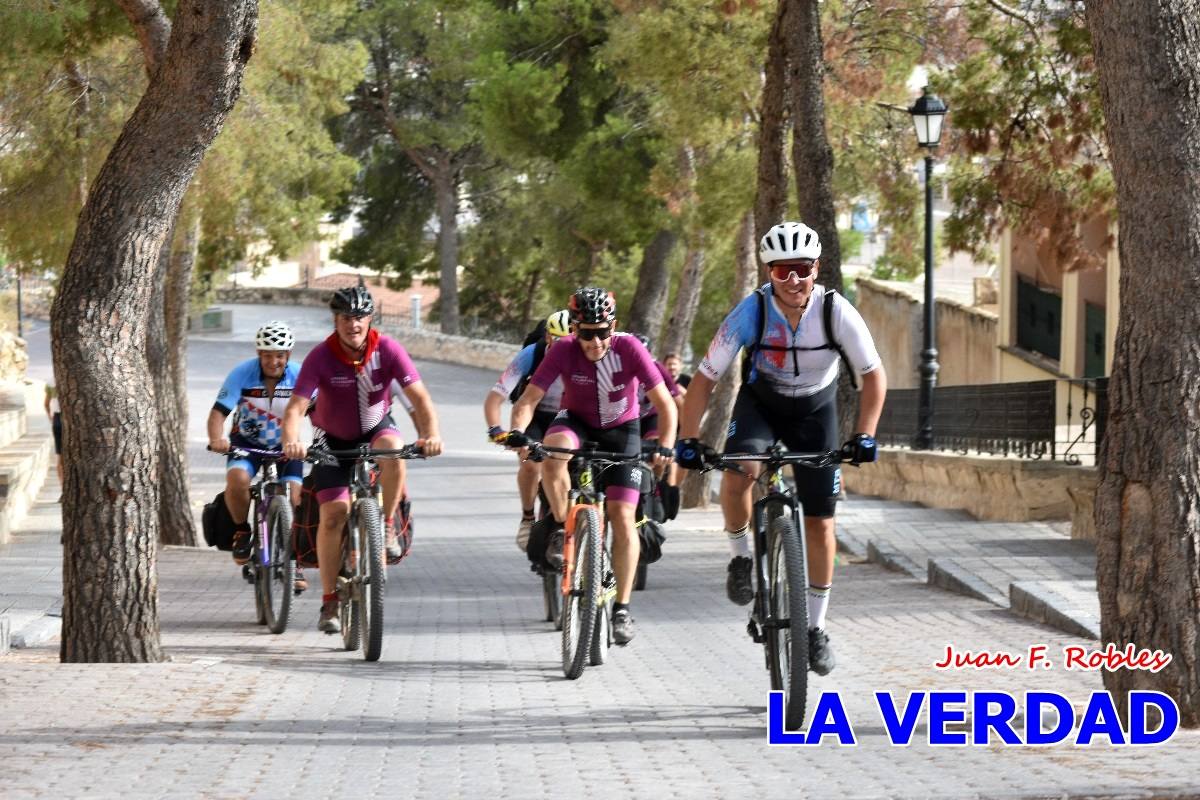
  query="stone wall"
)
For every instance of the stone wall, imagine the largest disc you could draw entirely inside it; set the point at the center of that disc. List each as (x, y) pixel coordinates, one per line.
(272, 295)
(992, 488)
(14, 357)
(429, 343)
(966, 336)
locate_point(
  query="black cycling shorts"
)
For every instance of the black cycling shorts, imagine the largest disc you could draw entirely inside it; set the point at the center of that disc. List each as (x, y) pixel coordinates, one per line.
(804, 425)
(330, 482)
(537, 427)
(621, 482)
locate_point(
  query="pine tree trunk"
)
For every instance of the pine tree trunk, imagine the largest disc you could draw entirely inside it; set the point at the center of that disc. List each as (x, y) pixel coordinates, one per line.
(812, 157)
(695, 489)
(649, 303)
(176, 525)
(99, 325)
(446, 191)
(687, 298)
(1148, 501)
(770, 199)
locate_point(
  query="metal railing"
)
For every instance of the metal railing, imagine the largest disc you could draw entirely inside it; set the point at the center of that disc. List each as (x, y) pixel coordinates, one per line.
(1054, 419)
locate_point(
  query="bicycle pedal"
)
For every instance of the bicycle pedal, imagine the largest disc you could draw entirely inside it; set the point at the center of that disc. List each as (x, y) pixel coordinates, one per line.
(752, 629)
(248, 573)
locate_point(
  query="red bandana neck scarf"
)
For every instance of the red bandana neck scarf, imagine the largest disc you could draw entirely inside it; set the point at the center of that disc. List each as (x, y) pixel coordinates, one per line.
(339, 350)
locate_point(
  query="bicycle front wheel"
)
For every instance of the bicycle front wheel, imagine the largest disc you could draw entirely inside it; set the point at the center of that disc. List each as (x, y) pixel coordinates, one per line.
(579, 606)
(787, 640)
(278, 578)
(371, 570)
(348, 582)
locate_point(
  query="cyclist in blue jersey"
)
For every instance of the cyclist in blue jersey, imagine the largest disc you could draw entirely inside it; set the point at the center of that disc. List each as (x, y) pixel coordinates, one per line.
(510, 386)
(256, 393)
(795, 332)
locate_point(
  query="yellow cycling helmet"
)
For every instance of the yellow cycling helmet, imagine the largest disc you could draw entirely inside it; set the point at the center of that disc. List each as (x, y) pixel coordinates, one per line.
(558, 324)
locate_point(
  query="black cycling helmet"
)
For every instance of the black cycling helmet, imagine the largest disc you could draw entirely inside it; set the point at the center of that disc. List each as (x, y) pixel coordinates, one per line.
(592, 305)
(355, 301)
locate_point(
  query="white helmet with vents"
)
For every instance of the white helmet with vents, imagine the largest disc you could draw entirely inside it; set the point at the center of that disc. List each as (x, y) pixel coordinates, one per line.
(789, 240)
(274, 336)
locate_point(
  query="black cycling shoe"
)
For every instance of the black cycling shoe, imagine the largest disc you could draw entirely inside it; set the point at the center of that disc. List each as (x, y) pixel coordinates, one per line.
(554, 547)
(820, 652)
(241, 546)
(738, 586)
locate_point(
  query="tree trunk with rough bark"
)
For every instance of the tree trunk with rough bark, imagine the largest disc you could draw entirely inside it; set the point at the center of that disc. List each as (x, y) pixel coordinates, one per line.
(99, 322)
(445, 187)
(649, 303)
(687, 298)
(812, 157)
(770, 199)
(166, 349)
(1148, 501)
(695, 488)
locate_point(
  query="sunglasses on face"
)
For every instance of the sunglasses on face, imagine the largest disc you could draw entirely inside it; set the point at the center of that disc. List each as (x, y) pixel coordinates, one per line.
(783, 272)
(587, 334)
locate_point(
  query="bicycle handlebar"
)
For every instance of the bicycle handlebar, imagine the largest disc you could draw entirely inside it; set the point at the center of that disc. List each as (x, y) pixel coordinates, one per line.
(318, 455)
(249, 451)
(583, 452)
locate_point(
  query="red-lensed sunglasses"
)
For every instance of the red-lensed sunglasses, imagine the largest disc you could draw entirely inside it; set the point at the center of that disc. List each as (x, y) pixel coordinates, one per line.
(587, 334)
(783, 272)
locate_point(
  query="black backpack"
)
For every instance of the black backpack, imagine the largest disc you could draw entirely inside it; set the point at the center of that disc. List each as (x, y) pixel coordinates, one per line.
(536, 337)
(217, 525)
(750, 372)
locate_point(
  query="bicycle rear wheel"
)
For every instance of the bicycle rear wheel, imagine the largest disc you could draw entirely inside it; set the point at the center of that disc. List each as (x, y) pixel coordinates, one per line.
(552, 597)
(348, 610)
(639, 580)
(579, 607)
(602, 634)
(371, 570)
(787, 599)
(278, 578)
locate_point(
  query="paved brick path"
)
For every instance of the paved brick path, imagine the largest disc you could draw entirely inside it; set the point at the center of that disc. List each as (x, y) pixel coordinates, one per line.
(468, 700)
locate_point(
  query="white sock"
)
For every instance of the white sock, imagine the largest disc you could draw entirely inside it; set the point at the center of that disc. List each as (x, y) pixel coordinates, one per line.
(739, 542)
(818, 604)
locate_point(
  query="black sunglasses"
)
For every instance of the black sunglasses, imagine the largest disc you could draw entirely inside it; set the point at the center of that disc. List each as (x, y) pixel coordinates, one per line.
(587, 334)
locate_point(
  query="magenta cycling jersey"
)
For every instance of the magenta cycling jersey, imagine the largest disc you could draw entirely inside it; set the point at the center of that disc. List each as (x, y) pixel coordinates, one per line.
(604, 393)
(354, 399)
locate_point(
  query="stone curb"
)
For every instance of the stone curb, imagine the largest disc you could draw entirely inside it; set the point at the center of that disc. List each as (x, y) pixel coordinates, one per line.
(4, 634)
(1042, 604)
(953, 577)
(893, 560)
(37, 632)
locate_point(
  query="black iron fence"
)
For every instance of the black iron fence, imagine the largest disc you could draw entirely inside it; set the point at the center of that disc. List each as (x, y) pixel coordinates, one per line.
(1055, 419)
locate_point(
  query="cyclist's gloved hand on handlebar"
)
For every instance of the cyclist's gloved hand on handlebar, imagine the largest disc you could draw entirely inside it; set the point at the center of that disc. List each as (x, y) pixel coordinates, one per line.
(517, 438)
(861, 449)
(497, 435)
(692, 453)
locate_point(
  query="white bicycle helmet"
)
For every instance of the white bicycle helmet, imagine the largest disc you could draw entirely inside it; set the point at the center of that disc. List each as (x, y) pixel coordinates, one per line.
(789, 240)
(274, 336)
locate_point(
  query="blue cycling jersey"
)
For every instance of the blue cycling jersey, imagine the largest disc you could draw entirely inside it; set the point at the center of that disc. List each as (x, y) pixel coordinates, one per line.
(257, 418)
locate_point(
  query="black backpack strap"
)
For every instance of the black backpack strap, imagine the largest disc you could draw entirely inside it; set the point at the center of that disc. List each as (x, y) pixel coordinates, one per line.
(539, 352)
(827, 320)
(749, 370)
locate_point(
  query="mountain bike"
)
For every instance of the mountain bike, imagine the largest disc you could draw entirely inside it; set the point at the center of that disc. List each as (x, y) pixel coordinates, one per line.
(588, 585)
(361, 580)
(272, 565)
(779, 614)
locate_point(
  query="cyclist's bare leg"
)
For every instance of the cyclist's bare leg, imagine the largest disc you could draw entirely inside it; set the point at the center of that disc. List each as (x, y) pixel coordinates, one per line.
(329, 541)
(529, 474)
(822, 549)
(556, 481)
(294, 488)
(736, 497)
(237, 494)
(391, 476)
(626, 546)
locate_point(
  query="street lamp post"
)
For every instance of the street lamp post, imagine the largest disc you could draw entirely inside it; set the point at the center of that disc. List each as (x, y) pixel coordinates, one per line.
(927, 114)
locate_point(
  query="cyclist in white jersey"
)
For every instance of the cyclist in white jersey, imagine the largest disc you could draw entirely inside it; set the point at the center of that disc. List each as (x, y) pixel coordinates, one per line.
(788, 394)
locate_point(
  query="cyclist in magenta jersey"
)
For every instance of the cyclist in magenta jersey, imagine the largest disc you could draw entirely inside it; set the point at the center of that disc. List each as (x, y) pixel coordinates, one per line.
(796, 332)
(353, 370)
(512, 383)
(256, 391)
(602, 371)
